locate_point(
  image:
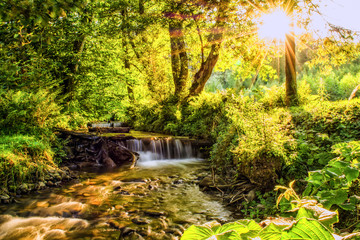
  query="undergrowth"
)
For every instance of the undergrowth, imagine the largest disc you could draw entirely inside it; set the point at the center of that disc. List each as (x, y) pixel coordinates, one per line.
(28, 144)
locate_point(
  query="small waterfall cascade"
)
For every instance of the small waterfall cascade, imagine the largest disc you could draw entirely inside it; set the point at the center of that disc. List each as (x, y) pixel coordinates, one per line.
(161, 149)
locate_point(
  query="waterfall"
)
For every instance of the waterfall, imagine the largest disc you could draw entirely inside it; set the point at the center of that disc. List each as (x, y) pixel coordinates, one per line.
(161, 149)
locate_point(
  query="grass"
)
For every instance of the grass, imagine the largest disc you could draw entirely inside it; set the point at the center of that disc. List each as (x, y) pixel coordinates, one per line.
(24, 159)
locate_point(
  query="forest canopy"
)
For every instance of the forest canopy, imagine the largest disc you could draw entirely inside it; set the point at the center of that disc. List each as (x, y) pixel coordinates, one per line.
(100, 57)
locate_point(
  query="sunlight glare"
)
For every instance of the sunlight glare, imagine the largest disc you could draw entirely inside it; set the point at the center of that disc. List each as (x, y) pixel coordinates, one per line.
(274, 25)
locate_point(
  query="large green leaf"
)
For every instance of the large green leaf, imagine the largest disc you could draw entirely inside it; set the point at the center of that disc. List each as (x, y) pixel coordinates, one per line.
(304, 213)
(351, 173)
(332, 197)
(326, 217)
(253, 228)
(308, 229)
(271, 232)
(231, 235)
(197, 233)
(234, 226)
(214, 230)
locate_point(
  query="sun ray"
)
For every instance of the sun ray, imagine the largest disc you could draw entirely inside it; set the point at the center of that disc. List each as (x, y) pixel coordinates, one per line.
(274, 24)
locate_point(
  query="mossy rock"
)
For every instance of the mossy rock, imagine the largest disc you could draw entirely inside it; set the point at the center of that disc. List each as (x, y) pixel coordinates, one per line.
(261, 171)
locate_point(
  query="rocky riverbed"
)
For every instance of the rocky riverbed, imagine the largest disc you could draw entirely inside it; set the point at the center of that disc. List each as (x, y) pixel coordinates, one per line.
(156, 200)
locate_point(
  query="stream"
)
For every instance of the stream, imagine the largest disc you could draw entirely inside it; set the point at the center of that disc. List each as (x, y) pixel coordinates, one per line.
(158, 199)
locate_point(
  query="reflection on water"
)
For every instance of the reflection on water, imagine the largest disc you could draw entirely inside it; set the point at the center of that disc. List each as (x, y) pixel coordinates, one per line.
(156, 200)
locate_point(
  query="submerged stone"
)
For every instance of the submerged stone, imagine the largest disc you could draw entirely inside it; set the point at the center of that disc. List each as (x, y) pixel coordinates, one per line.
(140, 221)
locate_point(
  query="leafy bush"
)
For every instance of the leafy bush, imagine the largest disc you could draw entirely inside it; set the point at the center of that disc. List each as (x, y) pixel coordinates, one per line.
(331, 185)
(205, 114)
(312, 222)
(29, 113)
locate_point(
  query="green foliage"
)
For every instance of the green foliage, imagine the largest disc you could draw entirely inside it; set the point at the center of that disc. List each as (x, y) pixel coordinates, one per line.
(312, 222)
(205, 114)
(332, 183)
(199, 118)
(24, 158)
(29, 113)
(335, 84)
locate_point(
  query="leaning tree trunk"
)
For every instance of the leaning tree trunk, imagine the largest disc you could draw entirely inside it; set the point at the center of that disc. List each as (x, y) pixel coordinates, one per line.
(206, 68)
(179, 58)
(354, 92)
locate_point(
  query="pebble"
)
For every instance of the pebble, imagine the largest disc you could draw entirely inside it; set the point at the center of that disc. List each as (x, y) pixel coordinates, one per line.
(42, 204)
(41, 185)
(4, 196)
(140, 221)
(154, 213)
(115, 224)
(118, 207)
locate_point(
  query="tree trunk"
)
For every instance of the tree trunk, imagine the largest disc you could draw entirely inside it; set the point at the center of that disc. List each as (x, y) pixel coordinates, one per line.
(179, 58)
(129, 85)
(291, 98)
(206, 68)
(125, 44)
(69, 82)
(354, 92)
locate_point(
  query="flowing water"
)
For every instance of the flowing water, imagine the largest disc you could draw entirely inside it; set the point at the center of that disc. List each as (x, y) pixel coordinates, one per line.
(156, 200)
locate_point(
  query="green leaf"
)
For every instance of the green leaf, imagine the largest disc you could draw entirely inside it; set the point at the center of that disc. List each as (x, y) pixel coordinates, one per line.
(253, 228)
(304, 213)
(214, 230)
(231, 235)
(271, 232)
(348, 206)
(315, 178)
(332, 197)
(339, 164)
(238, 228)
(308, 229)
(197, 233)
(331, 174)
(351, 173)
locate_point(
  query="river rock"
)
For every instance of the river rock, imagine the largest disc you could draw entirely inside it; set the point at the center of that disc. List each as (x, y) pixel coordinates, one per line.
(118, 207)
(42, 204)
(208, 182)
(251, 195)
(57, 176)
(174, 231)
(4, 196)
(24, 188)
(109, 163)
(140, 221)
(154, 213)
(114, 224)
(133, 236)
(126, 231)
(41, 185)
(50, 183)
(85, 164)
(179, 181)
